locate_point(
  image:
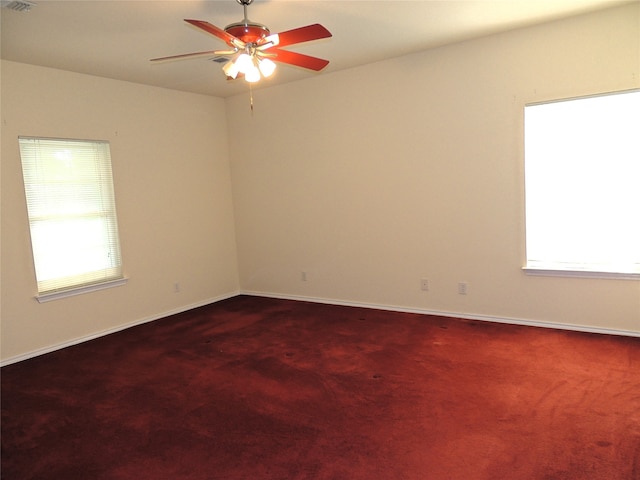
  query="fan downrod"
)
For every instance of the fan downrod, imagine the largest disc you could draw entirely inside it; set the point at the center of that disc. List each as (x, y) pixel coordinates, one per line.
(245, 4)
(246, 30)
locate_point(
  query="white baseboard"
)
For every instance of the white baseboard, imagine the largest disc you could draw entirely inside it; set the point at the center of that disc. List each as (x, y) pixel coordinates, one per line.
(102, 333)
(487, 318)
(466, 316)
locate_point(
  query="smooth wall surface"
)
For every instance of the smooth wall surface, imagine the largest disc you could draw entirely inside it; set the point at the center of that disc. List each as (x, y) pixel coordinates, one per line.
(173, 193)
(366, 180)
(371, 179)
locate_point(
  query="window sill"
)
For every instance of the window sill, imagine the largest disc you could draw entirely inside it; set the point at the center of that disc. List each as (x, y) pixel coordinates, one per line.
(48, 297)
(553, 272)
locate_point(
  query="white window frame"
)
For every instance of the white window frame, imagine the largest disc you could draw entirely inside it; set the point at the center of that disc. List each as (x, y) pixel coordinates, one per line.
(595, 175)
(72, 215)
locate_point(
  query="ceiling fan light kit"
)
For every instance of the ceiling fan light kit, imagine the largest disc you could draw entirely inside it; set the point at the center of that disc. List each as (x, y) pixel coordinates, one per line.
(253, 50)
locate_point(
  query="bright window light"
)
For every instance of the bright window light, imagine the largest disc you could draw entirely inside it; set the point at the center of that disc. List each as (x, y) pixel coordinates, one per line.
(72, 214)
(582, 180)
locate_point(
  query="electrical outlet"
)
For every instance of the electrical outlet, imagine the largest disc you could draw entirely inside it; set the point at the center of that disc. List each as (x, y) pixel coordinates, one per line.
(176, 287)
(424, 285)
(463, 288)
(303, 276)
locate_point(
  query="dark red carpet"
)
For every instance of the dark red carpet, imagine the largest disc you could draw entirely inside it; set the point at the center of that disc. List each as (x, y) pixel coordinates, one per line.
(256, 388)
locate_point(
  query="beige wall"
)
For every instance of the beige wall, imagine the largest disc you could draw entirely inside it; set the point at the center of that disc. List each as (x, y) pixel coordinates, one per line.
(173, 192)
(367, 179)
(373, 178)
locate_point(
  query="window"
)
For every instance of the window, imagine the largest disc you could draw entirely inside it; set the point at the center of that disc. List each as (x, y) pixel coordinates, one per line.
(582, 181)
(72, 215)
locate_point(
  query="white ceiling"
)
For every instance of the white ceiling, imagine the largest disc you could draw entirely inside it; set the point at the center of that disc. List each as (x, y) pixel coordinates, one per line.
(116, 38)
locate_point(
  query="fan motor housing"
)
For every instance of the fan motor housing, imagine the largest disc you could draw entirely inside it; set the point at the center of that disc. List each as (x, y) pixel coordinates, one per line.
(247, 32)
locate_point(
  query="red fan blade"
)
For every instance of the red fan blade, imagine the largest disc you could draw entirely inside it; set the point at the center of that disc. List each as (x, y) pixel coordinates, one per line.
(303, 34)
(217, 32)
(298, 59)
(185, 55)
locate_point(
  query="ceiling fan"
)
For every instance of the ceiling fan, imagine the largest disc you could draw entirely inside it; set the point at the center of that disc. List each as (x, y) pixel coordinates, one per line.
(254, 49)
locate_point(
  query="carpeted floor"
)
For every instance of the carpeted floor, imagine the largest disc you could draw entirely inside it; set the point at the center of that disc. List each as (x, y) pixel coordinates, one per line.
(255, 388)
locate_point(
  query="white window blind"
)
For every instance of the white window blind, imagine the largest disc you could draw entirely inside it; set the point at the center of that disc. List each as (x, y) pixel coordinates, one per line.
(72, 212)
(582, 181)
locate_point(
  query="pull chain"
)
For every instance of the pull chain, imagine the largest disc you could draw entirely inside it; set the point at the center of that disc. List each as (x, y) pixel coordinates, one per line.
(251, 97)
